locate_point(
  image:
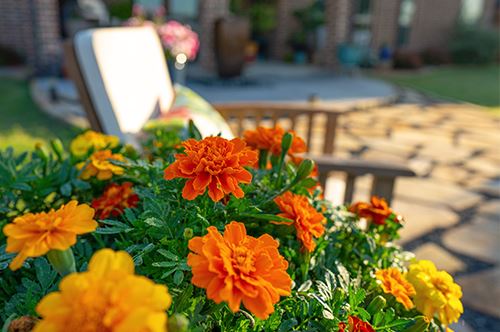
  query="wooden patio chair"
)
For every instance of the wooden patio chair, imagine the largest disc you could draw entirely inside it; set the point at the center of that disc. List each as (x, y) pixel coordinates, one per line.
(109, 110)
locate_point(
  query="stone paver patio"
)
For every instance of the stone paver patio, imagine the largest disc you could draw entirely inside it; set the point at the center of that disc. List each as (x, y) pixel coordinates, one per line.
(452, 208)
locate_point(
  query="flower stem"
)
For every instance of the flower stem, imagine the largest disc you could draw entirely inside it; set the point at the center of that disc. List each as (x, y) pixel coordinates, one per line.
(63, 261)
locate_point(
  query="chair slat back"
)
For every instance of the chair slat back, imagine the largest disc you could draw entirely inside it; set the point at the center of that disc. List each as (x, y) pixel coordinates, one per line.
(316, 127)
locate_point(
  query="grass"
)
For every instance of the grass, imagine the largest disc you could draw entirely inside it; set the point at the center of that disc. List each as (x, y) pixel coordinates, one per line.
(477, 85)
(22, 124)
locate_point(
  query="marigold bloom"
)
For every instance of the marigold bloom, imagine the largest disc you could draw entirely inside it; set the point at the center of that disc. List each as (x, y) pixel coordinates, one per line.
(437, 293)
(307, 221)
(236, 268)
(99, 165)
(35, 234)
(377, 210)
(355, 325)
(214, 162)
(393, 282)
(115, 199)
(269, 139)
(108, 297)
(91, 140)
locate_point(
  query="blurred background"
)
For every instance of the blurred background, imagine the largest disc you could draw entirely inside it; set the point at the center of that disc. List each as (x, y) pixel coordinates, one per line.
(424, 75)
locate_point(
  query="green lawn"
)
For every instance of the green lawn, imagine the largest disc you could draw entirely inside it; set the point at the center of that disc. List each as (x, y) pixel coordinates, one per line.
(22, 124)
(477, 85)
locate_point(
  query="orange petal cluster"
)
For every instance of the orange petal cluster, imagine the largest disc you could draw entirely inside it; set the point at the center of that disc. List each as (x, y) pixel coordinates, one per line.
(376, 211)
(307, 221)
(115, 199)
(35, 234)
(355, 325)
(237, 268)
(269, 139)
(393, 282)
(214, 163)
(99, 165)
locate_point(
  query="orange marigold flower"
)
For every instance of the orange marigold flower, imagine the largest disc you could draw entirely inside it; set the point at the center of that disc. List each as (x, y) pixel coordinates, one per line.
(236, 268)
(214, 162)
(355, 325)
(377, 210)
(99, 165)
(307, 221)
(269, 139)
(35, 234)
(393, 282)
(115, 199)
(108, 297)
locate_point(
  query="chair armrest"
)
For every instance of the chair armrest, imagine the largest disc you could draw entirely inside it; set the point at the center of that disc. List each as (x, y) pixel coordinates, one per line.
(358, 167)
(384, 174)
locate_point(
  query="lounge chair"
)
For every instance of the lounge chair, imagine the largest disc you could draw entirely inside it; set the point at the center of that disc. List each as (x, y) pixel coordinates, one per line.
(123, 81)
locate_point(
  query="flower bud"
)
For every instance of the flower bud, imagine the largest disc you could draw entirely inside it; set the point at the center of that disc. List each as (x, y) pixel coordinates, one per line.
(377, 304)
(178, 323)
(286, 143)
(63, 261)
(304, 170)
(188, 233)
(57, 147)
(41, 151)
(421, 324)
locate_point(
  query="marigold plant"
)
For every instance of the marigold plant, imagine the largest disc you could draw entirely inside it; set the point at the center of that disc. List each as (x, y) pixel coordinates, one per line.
(436, 292)
(115, 199)
(99, 165)
(108, 297)
(91, 140)
(393, 282)
(35, 234)
(269, 139)
(237, 268)
(307, 221)
(377, 210)
(214, 163)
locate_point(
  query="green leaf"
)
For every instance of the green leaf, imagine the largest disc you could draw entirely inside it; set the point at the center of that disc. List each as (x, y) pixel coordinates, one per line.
(66, 189)
(287, 325)
(164, 264)
(178, 277)
(44, 273)
(155, 222)
(168, 254)
(21, 186)
(264, 216)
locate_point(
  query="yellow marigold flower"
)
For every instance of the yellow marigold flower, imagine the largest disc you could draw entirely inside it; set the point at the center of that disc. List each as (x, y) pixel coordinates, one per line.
(35, 234)
(394, 283)
(437, 293)
(99, 165)
(108, 297)
(89, 140)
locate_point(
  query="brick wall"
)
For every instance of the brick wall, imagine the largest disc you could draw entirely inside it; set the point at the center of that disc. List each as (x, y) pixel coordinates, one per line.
(433, 23)
(31, 28)
(338, 26)
(286, 25)
(384, 24)
(210, 11)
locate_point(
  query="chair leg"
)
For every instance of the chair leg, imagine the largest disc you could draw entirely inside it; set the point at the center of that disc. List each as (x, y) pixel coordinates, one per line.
(383, 186)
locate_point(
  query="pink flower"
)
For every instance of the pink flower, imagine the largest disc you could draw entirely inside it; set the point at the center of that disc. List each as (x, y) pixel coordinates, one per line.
(178, 38)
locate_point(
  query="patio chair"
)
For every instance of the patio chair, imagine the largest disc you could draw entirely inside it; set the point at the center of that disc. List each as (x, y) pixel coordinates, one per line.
(113, 96)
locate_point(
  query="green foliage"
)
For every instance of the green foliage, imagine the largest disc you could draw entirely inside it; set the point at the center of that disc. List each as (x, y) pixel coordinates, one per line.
(262, 17)
(474, 45)
(330, 284)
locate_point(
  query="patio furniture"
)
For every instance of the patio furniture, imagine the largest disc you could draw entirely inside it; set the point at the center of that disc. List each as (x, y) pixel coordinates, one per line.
(121, 95)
